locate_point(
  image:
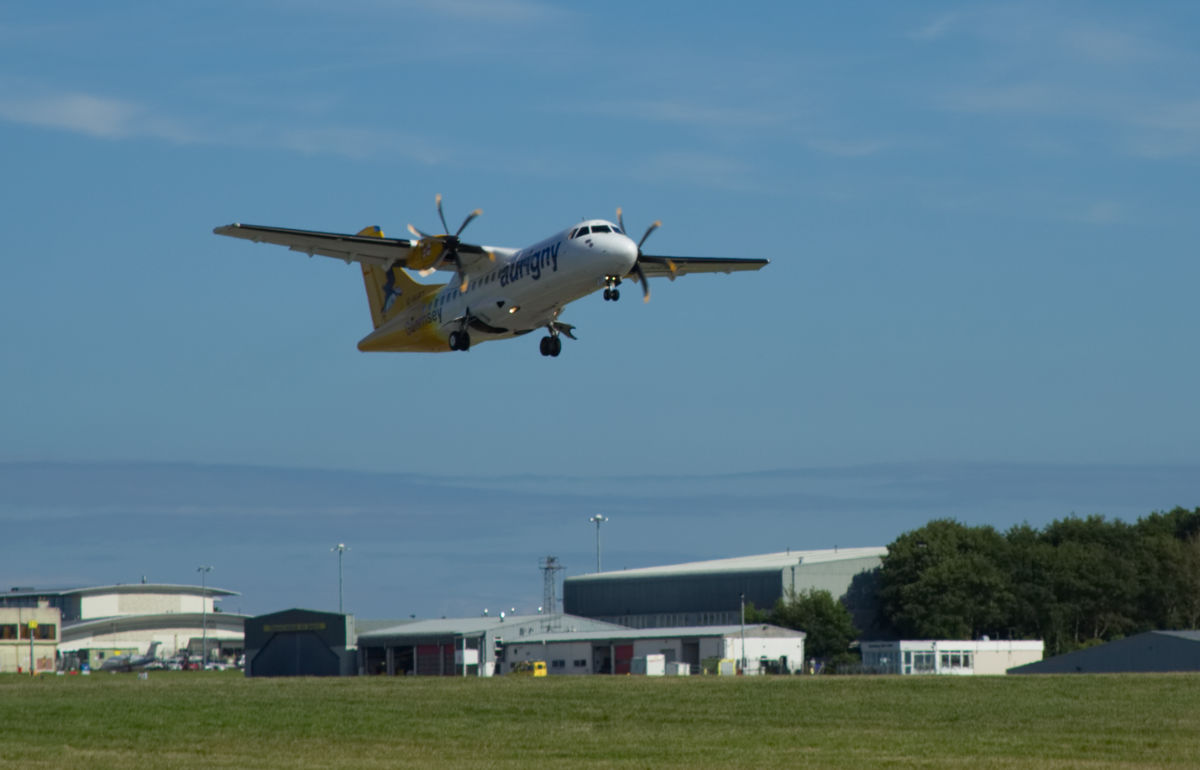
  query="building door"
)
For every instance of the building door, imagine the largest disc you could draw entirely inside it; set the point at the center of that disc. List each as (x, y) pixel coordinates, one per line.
(601, 659)
(691, 655)
(624, 658)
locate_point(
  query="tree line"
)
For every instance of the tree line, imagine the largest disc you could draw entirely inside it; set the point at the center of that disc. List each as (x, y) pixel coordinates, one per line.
(1073, 583)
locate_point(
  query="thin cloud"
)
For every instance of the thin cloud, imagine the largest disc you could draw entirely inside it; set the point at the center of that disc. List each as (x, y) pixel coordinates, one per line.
(935, 29)
(79, 113)
(685, 113)
(846, 148)
(116, 119)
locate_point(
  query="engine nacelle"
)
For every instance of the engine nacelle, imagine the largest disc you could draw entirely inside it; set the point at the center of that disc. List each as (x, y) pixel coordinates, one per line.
(425, 253)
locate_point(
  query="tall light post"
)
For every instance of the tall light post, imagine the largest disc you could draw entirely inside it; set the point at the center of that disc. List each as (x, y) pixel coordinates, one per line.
(340, 548)
(204, 569)
(598, 519)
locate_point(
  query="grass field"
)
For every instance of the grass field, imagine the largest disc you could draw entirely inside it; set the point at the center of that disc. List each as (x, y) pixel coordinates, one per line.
(223, 720)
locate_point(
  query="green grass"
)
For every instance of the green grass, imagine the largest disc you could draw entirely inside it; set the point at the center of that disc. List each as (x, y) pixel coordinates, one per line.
(224, 720)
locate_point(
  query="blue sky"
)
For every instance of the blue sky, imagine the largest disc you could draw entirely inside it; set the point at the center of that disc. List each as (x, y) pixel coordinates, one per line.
(980, 219)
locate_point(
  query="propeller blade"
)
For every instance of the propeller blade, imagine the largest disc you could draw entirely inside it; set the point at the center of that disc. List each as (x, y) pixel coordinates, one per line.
(441, 216)
(467, 221)
(657, 224)
(637, 268)
(491, 255)
(463, 281)
(412, 229)
(620, 221)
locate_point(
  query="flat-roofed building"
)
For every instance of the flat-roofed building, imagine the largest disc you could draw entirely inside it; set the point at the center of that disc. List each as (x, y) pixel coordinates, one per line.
(29, 637)
(456, 646)
(705, 593)
(949, 656)
(616, 651)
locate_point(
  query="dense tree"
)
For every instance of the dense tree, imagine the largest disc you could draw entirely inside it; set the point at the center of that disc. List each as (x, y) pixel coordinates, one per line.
(827, 624)
(1073, 583)
(947, 581)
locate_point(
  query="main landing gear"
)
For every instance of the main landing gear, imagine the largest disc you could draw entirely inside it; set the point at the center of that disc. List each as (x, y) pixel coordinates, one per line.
(611, 292)
(460, 340)
(551, 344)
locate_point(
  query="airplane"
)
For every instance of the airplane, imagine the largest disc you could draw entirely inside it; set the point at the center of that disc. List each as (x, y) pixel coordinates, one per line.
(498, 293)
(130, 662)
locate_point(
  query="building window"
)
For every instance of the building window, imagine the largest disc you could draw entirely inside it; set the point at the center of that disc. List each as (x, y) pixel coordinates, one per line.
(558, 664)
(8, 630)
(581, 663)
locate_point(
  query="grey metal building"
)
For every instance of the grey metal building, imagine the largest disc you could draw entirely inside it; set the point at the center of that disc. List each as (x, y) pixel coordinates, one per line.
(1153, 651)
(300, 642)
(456, 646)
(707, 593)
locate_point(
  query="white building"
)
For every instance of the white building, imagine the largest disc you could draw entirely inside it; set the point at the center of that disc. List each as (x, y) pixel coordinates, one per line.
(981, 656)
(28, 638)
(101, 621)
(767, 648)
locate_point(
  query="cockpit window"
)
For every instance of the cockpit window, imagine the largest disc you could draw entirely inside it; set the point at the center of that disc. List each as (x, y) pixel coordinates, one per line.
(601, 229)
(581, 231)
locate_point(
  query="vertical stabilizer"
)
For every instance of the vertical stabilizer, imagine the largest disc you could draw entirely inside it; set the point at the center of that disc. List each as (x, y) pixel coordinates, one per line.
(390, 290)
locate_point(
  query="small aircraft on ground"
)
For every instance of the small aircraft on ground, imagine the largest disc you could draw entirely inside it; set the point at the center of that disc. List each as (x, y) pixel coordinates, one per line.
(130, 662)
(497, 292)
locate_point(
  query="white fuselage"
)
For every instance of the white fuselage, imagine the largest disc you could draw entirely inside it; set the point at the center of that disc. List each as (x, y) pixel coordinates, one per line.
(526, 289)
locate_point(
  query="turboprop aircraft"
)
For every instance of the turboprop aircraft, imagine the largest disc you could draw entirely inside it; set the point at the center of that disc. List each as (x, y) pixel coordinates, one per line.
(497, 292)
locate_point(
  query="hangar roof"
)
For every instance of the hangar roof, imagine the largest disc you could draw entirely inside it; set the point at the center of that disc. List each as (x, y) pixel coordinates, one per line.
(761, 562)
(230, 621)
(121, 588)
(754, 631)
(472, 626)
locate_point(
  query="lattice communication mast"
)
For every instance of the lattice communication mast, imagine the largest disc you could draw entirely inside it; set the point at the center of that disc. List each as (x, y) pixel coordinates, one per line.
(550, 569)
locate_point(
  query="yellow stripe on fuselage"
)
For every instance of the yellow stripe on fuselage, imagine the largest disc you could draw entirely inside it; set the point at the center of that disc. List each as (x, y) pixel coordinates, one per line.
(422, 337)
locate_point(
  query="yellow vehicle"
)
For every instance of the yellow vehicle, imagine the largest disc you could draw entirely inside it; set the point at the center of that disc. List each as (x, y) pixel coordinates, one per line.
(529, 668)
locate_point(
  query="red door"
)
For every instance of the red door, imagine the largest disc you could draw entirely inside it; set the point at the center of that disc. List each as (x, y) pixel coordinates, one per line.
(624, 658)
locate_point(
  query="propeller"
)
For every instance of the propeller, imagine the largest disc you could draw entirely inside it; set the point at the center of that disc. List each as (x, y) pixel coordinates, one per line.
(450, 244)
(637, 266)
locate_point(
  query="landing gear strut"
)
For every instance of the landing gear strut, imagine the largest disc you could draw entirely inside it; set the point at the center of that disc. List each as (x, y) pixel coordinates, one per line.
(611, 292)
(460, 340)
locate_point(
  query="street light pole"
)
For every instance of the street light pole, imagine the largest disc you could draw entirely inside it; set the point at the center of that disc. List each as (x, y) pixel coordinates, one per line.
(203, 569)
(341, 549)
(743, 634)
(598, 519)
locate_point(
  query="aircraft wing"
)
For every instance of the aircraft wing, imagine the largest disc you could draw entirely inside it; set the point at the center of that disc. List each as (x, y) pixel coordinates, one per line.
(671, 267)
(349, 248)
(368, 249)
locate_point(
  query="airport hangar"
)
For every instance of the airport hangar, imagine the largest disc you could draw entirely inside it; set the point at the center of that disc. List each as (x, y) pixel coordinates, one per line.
(708, 593)
(101, 621)
(459, 646)
(1151, 651)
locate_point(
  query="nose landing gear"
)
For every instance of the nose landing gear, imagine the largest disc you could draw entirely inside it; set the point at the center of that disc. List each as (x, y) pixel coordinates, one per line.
(611, 292)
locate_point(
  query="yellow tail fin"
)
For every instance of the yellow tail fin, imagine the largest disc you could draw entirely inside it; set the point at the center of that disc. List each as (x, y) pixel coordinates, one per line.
(389, 291)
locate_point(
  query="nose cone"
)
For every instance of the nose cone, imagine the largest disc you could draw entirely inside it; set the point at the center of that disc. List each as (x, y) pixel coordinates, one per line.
(625, 250)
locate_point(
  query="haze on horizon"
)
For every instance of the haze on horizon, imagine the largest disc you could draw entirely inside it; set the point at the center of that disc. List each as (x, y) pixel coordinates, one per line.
(980, 220)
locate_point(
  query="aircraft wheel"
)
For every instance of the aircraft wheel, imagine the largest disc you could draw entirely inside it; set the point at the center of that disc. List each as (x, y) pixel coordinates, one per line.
(555, 346)
(607, 294)
(544, 347)
(464, 341)
(454, 340)
(616, 294)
